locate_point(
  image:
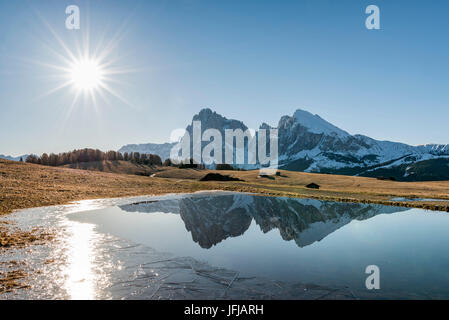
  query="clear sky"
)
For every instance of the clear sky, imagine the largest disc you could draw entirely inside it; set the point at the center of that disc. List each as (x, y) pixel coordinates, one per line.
(251, 60)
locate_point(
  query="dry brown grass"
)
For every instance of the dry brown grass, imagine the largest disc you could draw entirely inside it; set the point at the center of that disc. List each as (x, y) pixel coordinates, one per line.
(27, 185)
(12, 280)
(18, 238)
(332, 187)
(351, 185)
(126, 167)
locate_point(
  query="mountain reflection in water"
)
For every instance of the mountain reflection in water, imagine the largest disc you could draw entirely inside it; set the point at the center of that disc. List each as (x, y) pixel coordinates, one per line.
(212, 219)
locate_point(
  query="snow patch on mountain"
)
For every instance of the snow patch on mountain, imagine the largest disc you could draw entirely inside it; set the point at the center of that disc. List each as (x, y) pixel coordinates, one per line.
(316, 124)
(11, 158)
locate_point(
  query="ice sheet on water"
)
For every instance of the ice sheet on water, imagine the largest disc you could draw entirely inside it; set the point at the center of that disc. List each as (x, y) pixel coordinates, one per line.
(84, 264)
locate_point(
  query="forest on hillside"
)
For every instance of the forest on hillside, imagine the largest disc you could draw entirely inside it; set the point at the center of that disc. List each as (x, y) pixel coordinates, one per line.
(91, 155)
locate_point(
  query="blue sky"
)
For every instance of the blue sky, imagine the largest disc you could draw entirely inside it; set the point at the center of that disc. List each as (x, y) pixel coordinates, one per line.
(251, 60)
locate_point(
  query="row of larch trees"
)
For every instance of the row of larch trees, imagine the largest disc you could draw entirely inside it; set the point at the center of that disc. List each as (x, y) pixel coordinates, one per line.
(91, 155)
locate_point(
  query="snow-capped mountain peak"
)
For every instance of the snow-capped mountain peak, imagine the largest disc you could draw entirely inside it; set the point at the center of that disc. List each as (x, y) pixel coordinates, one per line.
(316, 124)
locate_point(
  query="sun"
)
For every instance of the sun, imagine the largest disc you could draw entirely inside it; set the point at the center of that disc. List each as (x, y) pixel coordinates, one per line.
(86, 74)
(90, 70)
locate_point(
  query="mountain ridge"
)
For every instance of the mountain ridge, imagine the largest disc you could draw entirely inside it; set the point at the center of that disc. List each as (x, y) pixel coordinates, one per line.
(310, 143)
(9, 157)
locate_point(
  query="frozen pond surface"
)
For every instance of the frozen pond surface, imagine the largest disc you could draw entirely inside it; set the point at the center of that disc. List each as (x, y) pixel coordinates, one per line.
(232, 246)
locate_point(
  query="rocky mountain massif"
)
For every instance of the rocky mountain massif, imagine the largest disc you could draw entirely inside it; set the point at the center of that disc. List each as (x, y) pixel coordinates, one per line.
(311, 144)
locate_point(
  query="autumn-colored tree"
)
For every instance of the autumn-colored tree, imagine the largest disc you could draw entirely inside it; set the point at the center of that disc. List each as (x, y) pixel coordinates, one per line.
(32, 159)
(44, 159)
(90, 155)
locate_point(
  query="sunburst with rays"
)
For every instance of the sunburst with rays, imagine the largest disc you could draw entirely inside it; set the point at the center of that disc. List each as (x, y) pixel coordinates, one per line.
(89, 74)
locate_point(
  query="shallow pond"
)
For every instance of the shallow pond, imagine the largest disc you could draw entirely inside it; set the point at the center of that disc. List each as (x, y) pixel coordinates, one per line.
(239, 246)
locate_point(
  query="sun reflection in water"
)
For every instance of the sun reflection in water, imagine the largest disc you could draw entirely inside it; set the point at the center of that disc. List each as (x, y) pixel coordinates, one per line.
(79, 274)
(85, 205)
